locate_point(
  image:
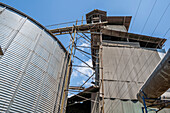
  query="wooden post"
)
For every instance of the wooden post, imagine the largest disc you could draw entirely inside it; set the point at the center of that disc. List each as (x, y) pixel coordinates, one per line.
(68, 72)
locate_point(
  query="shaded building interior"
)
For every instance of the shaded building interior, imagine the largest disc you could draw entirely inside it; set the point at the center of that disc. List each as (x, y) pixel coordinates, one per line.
(79, 104)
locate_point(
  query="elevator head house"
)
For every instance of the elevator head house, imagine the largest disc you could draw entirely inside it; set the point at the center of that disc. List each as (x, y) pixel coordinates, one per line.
(124, 62)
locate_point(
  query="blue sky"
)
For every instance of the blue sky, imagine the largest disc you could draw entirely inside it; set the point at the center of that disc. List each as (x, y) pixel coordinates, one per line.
(49, 12)
(58, 11)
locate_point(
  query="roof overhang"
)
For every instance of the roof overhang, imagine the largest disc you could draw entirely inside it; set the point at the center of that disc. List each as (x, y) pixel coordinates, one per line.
(119, 20)
(133, 36)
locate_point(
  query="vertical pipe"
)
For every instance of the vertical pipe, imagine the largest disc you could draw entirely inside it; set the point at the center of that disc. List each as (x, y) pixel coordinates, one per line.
(143, 110)
(144, 104)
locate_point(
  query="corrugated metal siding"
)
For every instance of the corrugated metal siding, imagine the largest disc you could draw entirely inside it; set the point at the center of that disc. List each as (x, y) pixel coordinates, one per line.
(31, 67)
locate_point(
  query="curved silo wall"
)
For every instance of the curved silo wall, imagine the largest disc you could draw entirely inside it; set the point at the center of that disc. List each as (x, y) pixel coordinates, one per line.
(33, 67)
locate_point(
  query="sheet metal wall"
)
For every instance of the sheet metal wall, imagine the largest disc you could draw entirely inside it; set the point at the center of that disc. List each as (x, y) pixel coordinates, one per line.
(125, 70)
(31, 68)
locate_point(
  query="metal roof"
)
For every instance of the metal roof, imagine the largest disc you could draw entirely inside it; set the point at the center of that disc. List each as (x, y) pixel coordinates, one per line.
(112, 20)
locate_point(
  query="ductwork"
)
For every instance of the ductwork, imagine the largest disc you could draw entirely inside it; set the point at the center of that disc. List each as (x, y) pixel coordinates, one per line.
(157, 84)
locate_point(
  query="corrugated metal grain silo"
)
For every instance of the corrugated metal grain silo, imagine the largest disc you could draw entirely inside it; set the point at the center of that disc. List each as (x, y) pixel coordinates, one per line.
(32, 67)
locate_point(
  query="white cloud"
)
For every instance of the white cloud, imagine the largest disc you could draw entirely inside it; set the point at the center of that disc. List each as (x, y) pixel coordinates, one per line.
(74, 74)
(70, 95)
(87, 83)
(85, 45)
(88, 71)
(78, 83)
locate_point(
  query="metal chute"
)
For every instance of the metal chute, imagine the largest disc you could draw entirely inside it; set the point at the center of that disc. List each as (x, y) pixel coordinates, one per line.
(157, 84)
